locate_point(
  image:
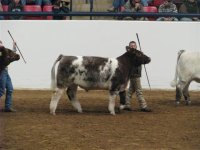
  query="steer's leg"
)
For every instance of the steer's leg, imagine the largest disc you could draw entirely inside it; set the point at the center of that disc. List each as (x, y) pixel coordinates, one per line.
(54, 100)
(111, 106)
(178, 95)
(71, 93)
(186, 94)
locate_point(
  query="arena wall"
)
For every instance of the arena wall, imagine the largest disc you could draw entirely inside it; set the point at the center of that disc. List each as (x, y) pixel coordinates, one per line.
(42, 41)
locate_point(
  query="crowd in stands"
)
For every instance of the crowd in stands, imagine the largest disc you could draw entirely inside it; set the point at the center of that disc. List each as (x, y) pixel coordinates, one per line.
(23, 5)
(158, 6)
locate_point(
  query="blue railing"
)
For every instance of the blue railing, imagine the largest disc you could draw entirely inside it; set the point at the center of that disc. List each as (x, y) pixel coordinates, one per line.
(114, 14)
(91, 13)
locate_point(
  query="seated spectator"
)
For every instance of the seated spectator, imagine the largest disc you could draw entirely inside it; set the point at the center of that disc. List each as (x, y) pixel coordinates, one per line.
(60, 6)
(167, 7)
(15, 6)
(134, 6)
(1, 9)
(117, 4)
(190, 7)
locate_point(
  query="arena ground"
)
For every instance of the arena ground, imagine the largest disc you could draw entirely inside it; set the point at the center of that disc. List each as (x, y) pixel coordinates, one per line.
(167, 127)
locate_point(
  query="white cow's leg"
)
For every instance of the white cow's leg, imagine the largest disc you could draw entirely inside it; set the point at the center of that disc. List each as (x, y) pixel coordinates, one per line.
(71, 93)
(178, 95)
(111, 105)
(186, 94)
(54, 100)
(182, 86)
(76, 104)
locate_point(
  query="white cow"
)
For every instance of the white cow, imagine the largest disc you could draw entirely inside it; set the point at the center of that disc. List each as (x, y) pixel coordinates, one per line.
(187, 70)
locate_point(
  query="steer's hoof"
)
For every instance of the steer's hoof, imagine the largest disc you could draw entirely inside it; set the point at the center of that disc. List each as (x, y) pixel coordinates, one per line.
(80, 111)
(53, 113)
(125, 107)
(121, 107)
(187, 102)
(112, 113)
(177, 103)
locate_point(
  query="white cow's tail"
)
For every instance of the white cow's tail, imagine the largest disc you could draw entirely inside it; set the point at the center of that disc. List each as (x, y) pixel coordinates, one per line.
(53, 74)
(174, 82)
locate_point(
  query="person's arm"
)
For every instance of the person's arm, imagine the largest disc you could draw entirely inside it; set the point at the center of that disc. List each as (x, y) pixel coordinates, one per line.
(174, 8)
(127, 7)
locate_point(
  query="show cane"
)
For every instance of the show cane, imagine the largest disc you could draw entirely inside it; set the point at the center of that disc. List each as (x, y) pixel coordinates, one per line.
(144, 65)
(17, 46)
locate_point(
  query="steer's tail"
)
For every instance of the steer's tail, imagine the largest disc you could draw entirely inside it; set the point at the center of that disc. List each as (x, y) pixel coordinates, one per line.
(174, 82)
(53, 74)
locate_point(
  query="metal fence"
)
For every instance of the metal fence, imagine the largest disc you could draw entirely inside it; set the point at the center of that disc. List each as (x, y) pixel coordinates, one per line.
(92, 14)
(114, 14)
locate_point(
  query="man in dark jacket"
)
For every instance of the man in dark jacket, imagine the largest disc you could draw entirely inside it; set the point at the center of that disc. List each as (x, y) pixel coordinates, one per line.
(135, 86)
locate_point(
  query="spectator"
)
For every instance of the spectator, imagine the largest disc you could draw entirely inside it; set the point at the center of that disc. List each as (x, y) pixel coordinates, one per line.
(167, 7)
(117, 4)
(6, 84)
(1, 9)
(15, 6)
(60, 6)
(134, 87)
(190, 7)
(134, 6)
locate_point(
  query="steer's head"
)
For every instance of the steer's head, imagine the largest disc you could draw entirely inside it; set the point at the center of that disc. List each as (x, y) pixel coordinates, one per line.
(7, 56)
(137, 57)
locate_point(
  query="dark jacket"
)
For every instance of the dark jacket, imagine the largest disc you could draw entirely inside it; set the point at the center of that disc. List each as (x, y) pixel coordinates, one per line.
(136, 72)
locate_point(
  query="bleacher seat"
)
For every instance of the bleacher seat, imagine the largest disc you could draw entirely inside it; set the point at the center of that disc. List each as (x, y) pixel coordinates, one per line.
(151, 9)
(5, 8)
(47, 8)
(32, 8)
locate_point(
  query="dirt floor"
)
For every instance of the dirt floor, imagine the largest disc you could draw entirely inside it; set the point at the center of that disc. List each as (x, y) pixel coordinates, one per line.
(166, 128)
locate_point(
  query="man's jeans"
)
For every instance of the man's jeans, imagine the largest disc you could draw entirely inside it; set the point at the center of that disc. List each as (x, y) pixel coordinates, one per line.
(6, 84)
(118, 3)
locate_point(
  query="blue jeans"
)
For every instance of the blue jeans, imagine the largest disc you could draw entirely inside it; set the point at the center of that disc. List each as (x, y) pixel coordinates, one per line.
(118, 3)
(6, 85)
